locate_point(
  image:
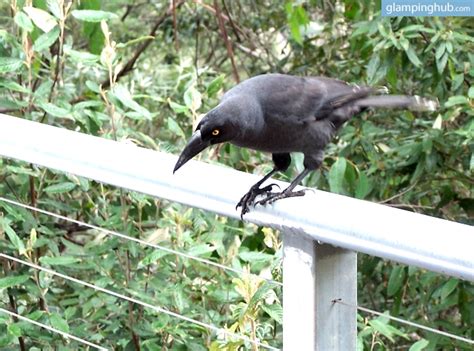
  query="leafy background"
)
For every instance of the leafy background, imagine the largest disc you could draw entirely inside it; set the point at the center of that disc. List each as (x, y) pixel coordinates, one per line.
(143, 72)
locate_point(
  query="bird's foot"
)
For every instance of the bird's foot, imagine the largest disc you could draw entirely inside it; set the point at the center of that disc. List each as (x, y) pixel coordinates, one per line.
(248, 199)
(271, 198)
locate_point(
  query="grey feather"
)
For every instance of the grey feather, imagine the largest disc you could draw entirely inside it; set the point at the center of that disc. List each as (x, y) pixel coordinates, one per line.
(414, 103)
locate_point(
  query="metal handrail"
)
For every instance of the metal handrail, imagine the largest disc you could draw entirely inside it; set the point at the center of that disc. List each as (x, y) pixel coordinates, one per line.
(427, 242)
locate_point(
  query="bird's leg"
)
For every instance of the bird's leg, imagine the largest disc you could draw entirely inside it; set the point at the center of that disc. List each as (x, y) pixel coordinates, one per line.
(248, 199)
(288, 192)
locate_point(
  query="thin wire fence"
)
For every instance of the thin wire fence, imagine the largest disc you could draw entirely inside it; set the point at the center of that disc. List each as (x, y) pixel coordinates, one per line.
(139, 241)
(404, 321)
(219, 331)
(47, 327)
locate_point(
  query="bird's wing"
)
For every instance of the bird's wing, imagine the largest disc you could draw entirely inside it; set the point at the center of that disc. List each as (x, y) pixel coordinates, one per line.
(284, 97)
(337, 94)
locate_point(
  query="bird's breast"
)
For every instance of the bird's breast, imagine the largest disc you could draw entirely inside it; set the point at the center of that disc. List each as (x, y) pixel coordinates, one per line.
(287, 137)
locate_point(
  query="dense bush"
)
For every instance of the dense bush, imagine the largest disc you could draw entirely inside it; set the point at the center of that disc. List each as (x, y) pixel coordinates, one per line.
(145, 74)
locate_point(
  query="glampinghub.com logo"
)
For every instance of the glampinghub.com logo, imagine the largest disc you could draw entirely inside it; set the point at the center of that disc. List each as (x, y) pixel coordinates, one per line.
(427, 8)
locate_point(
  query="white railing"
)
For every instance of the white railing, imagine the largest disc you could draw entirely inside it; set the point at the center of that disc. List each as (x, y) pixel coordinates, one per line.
(321, 231)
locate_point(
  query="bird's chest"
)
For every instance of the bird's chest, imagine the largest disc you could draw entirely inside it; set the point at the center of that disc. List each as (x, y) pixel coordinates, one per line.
(280, 136)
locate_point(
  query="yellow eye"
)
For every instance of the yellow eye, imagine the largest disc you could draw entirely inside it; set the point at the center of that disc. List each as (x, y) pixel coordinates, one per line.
(215, 132)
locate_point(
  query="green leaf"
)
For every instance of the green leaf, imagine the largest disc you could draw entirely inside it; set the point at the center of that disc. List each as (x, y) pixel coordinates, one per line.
(457, 81)
(10, 64)
(275, 312)
(22, 170)
(441, 63)
(360, 341)
(58, 322)
(395, 282)
(121, 93)
(362, 188)
(449, 287)
(470, 92)
(93, 86)
(55, 8)
(192, 98)
(381, 26)
(413, 27)
(81, 56)
(261, 294)
(254, 256)
(14, 330)
(362, 28)
(59, 260)
(413, 57)
(405, 44)
(419, 345)
(177, 108)
(23, 21)
(42, 19)
(297, 18)
(36, 315)
(201, 249)
(45, 40)
(152, 257)
(372, 67)
(13, 104)
(70, 312)
(93, 15)
(60, 188)
(456, 100)
(215, 85)
(440, 50)
(54, 110)
(96, 37)
(463, 37)
(8, 282)
(438, 124)
(175, 128)
(179, 300)
(336, 176)
(14, 86)
(161, 321)
(84, 183)
(382, 328)
(12, 236)
(449, 47)
(88, 104)
(295, 30)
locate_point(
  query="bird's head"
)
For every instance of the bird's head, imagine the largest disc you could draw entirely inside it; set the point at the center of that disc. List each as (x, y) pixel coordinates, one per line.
(216, 127)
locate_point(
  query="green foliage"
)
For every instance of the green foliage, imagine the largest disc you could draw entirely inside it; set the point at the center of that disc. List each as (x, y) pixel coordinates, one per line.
(61, 65)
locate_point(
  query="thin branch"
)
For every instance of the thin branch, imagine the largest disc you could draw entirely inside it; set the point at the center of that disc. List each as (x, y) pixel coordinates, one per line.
(224, 17)
(11, 300)
(232, 24)
(141, 49)
(175, 25)
(196, 48)
(399, 194)
(230, 52)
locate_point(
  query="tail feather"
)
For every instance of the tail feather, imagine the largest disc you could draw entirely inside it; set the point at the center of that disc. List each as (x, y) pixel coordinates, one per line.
(414, 103)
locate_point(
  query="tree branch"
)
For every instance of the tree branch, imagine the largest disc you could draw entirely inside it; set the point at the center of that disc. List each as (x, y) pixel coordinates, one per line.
(230, 52)
(141, 49)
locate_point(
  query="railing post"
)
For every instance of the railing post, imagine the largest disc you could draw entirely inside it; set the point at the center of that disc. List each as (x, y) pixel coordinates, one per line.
(313, 276)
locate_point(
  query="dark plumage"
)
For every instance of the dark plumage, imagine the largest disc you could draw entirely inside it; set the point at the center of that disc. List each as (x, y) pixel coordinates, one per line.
(281, 114)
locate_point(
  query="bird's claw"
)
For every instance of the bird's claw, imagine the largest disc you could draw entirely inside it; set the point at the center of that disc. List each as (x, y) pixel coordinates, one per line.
(271, 198)
(248, 199)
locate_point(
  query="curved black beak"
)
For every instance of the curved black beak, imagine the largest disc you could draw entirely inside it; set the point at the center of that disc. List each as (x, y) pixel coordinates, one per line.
(195, 145)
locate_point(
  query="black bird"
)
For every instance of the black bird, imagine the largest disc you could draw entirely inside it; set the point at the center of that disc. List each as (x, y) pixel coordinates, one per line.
(280, 114)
